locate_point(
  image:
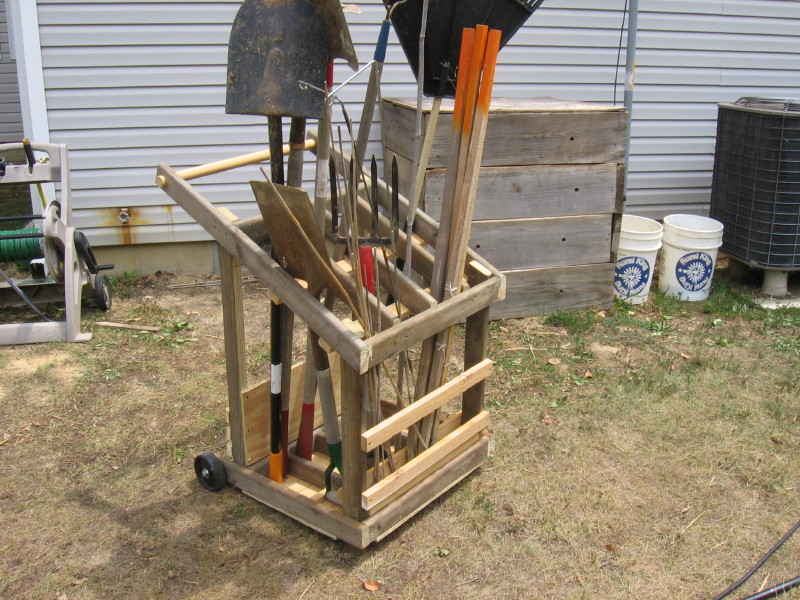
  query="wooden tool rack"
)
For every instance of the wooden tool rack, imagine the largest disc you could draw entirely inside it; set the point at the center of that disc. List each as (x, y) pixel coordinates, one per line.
(365, 511)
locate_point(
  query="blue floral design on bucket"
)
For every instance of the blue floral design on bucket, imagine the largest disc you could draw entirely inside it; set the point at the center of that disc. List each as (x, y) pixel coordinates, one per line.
(694, 270)
(631, 275)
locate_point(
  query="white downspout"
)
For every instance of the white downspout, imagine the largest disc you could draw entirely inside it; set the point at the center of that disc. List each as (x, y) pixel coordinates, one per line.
(23, 21)
(630, 75)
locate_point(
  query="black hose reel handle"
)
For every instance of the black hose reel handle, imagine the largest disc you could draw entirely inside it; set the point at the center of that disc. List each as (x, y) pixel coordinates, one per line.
(85, 252)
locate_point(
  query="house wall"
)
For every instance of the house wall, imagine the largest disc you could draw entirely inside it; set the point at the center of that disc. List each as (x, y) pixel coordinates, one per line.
(10, 114)
(132, 84)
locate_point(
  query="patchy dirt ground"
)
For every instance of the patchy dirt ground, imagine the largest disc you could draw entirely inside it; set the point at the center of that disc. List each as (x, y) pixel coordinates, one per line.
(648, 452)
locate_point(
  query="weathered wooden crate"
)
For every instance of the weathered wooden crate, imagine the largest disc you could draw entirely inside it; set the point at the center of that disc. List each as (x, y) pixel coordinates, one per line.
(549, 196)
(365, 508)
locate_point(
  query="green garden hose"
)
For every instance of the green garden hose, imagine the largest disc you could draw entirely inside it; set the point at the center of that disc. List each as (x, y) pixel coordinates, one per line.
(14, 247)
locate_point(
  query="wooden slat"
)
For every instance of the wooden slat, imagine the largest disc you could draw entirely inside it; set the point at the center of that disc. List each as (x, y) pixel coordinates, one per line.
(536, 243)
(321, 515)
(235, 357)
(383, 522)
(542, 291)
(536, 191)
(430, 472)
(354, 461)
(522, 136)
(419, 463)
(412, 413)
(475, 351)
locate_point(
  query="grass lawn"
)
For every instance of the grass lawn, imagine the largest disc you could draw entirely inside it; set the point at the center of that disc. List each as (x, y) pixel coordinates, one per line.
(640, 452)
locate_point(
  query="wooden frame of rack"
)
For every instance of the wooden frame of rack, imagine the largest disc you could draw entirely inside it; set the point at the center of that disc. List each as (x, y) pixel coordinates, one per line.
(366, 510)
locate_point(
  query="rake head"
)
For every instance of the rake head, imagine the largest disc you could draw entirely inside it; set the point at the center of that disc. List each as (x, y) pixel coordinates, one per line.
(446, 20)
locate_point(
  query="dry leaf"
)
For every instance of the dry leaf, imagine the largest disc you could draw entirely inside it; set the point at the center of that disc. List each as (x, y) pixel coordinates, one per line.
(553, 361)
(371, 585)
(610, 548)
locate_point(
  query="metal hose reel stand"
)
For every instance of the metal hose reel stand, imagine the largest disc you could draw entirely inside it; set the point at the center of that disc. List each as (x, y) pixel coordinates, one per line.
(70, 265)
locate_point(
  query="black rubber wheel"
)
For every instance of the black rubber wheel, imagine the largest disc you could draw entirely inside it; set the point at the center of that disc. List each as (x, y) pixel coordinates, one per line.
(102, 292)
(210, 471)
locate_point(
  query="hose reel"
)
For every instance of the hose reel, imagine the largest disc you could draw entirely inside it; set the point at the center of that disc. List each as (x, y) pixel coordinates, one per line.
(69, 261)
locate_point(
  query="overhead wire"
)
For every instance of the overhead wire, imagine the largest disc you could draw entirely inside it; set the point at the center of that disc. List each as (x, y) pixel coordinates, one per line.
(619, 49)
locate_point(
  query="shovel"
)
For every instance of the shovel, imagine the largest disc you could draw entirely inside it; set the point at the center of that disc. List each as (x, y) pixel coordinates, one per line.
(278, 54)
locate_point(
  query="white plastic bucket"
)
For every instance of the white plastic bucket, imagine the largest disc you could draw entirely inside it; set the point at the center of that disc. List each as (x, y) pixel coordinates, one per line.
(639, 241)
(690, 256)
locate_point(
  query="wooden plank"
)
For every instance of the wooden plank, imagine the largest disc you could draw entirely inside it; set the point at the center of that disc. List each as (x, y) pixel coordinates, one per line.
(412, 413)
(542, 291)
(475, 352)
(445, 428)
(387, 520)
(255, 401)
(419, 327)
(354, 461)
(521, 137)
(262, 266)
(235, 356)
(527, 192)
(322, 516)
(536, 243)
(431, 471)
(419, 463)
(545, 104)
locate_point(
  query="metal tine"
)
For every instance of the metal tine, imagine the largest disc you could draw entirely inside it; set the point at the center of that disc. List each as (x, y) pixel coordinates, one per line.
(395, 217)
(374, 198)
(337, 239)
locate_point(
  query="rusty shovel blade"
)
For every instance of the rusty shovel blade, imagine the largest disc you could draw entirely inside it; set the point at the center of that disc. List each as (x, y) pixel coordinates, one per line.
(278, 55)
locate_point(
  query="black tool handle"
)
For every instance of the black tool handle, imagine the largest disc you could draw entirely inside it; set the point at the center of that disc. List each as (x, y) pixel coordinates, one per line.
(26, 145)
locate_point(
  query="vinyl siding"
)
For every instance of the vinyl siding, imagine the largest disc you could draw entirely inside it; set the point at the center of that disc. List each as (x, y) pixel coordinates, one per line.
(132, 84)
(10, 114)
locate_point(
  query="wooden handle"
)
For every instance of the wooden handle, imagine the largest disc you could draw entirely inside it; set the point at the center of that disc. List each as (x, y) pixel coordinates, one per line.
(478, 54)
(464, 64)
(232, 163)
